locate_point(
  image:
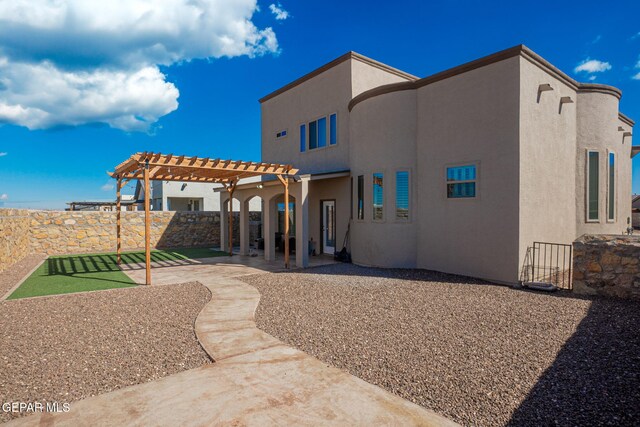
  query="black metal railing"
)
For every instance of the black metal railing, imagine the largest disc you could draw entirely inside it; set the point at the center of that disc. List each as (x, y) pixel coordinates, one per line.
(549, 263)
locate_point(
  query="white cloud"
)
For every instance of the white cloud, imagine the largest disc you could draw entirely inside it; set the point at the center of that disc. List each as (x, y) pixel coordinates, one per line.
(41, 96)
(592, 78)
(2, 154)
(278, 12)
(107, 187)
(71, 62)
(592, 66)
(4, 196)
(636, 77)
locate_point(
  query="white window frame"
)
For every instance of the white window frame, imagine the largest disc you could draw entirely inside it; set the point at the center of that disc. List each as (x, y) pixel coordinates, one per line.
(356, 217)
(409, 195)
(384, 195)
(327, 117)
(586, 196)
(475, 163)
(306, 132)
(615, 186)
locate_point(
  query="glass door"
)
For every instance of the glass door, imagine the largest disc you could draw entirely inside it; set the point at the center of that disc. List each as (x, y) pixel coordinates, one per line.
(328, 226)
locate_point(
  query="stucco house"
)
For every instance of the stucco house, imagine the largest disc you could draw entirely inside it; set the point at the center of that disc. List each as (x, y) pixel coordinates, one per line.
(186, 196)
(458, 172)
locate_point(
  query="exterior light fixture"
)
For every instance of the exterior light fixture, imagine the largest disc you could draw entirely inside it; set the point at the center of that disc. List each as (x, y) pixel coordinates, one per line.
(620, 129)
(260, 186)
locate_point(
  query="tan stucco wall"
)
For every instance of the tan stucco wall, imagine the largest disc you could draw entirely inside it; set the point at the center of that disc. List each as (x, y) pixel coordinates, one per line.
(366, 76)
(547, 202)
(470, 118)
(328, 92)
(383, 134)
(597, 129)
(530, 154)
(322, 95)
(330, 189)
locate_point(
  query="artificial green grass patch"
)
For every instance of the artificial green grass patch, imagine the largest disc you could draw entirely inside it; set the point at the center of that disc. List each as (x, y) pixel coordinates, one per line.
(94, 272)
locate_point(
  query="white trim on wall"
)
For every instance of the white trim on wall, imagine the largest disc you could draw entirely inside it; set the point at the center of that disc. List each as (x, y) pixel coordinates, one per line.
(586, 165)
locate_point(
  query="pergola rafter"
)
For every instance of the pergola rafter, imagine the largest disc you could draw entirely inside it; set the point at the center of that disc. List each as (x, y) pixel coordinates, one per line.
(150, 166)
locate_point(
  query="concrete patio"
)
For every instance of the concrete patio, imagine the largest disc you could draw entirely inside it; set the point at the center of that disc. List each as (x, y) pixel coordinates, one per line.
(255, 380)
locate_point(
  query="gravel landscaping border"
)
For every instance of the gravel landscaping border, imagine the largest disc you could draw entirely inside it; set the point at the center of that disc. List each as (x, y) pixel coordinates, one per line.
(17, 272)
(479, 354)
(68, 347)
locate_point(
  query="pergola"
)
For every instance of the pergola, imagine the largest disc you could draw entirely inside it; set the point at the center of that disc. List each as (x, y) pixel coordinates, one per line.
(167, 167)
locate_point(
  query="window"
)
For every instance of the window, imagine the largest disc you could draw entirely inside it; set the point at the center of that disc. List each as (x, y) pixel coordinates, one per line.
(333, 131)
(593, 185)
(402, 195)
(378, 196)
(322, 132)
(318, 133)
(361, 197)
(611, 211)
(303, 138)
(281, 134)
(351, 199)
(313, 135)
(461, 182)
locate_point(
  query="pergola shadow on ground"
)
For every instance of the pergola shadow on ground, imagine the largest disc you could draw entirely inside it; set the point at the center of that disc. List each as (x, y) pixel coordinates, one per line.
(149, 166)
(223, 266)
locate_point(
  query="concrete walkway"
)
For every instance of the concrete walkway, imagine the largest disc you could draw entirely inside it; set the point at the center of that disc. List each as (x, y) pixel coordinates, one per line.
(255, 380)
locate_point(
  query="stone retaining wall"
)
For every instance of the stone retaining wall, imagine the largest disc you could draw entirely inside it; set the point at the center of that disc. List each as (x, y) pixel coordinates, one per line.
(14, 236)
(607, 265)
(67, 232)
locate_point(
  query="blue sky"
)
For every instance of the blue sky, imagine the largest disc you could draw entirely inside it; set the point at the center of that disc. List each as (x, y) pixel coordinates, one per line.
(104, 99)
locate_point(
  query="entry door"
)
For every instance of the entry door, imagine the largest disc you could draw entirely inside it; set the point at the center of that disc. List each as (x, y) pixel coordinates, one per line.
(328, 226)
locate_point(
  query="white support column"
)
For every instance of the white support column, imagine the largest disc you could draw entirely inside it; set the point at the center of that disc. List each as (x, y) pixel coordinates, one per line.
(224, 221)
(302, 221)
(269, 217)
(244, 227)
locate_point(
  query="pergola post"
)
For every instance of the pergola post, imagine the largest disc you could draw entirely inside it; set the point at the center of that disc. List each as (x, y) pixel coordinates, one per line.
(147, 223)
(118, 223)
(285, 183)
(230, 188)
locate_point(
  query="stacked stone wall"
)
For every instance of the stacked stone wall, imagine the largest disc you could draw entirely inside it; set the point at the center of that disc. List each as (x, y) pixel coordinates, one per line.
(14, 236)
(68, 232)
(607, 265)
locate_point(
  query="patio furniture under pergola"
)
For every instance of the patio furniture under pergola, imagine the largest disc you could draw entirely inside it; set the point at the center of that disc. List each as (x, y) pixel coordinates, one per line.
(167, 167)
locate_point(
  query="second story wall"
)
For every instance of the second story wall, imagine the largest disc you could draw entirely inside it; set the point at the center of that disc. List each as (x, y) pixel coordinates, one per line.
(317, 98)
(311, 103)
(547, 158)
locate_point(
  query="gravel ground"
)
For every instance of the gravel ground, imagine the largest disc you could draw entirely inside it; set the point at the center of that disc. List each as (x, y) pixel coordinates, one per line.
(10, 277)
(480, 354)
(68, 347)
